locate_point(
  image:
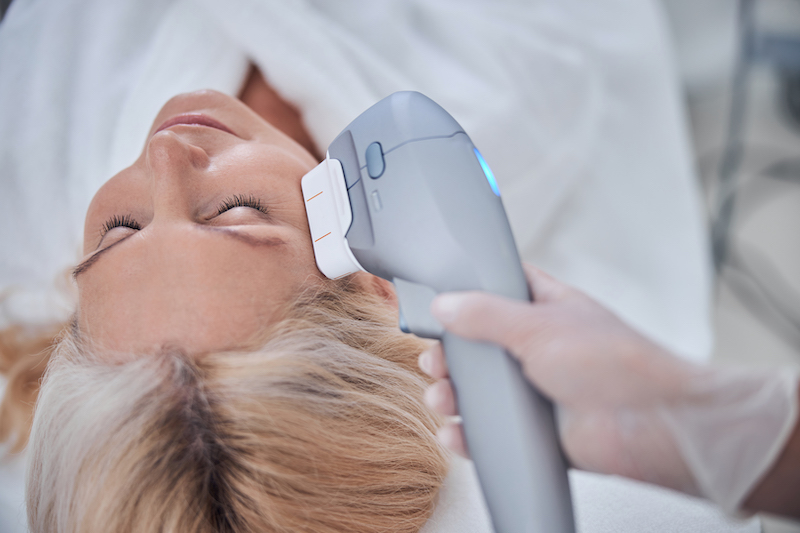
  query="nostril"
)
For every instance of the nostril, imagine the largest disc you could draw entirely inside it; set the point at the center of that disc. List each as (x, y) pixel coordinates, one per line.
(199, 158)
(168, 152)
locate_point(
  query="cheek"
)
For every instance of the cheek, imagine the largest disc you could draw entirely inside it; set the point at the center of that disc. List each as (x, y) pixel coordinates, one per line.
(126, 194)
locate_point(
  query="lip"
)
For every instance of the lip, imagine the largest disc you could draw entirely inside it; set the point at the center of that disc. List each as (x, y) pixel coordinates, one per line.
(194, 119)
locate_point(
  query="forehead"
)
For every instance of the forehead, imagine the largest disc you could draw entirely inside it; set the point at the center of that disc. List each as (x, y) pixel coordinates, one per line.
(191, 289)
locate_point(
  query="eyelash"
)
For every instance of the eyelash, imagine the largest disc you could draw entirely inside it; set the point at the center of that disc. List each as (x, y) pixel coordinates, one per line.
(117, 221)
(240, 200)
(237, 200)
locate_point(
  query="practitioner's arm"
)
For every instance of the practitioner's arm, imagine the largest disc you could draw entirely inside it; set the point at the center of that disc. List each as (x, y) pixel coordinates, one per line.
(779, 491)
(628, 407)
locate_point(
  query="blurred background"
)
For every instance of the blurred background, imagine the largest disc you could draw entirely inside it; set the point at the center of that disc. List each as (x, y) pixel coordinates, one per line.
(740, 68)
(739, 62)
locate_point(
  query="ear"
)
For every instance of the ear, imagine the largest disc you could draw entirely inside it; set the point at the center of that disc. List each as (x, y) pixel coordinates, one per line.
(377, 286)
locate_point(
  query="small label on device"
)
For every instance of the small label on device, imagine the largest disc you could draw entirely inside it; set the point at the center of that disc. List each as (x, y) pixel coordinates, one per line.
(376, 201)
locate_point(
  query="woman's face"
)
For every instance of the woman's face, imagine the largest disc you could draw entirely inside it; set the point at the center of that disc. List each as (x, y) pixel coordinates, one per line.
(202, 239)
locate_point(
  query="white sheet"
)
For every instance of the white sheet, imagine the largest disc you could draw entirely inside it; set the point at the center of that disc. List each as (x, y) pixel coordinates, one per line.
(602, 504)
(574, 104)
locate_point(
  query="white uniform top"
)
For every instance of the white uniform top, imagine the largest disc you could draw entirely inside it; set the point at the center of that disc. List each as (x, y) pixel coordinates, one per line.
(573, 103)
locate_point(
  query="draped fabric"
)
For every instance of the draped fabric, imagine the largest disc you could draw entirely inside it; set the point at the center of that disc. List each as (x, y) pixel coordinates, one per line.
(574, 104)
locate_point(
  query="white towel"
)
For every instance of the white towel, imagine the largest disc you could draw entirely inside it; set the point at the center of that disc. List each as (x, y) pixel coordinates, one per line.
(602, 504)
(574, 104)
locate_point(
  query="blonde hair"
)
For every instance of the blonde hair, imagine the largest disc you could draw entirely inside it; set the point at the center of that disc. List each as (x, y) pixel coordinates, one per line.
(321, 429)
(24, 352)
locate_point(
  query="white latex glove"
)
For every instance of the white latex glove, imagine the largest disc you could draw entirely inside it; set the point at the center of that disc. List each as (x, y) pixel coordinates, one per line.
(625, 406)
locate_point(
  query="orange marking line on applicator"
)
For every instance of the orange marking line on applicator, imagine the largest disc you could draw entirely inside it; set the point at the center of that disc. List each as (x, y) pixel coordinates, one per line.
(323, 235)
(320, 192)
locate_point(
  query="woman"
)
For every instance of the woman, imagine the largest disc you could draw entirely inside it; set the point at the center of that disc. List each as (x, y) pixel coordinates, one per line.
(171, 402)
(576, 125)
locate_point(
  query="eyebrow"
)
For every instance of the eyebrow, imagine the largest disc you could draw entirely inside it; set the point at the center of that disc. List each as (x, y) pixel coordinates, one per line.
(243, 237)
(84, 266)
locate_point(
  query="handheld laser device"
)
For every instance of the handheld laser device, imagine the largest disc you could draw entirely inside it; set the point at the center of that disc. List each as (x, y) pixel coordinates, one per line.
(405, 195)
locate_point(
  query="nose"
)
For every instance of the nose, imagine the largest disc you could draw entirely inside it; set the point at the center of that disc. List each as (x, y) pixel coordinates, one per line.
(174, 167)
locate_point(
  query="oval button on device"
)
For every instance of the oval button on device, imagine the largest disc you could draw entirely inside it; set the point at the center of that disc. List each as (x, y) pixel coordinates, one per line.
(375, 163)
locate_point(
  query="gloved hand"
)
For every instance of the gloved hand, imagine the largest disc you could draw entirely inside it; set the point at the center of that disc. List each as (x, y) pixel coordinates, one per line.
(624, 405)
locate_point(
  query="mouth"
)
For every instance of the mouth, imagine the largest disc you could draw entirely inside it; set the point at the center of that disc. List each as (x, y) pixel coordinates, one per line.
(194, 119)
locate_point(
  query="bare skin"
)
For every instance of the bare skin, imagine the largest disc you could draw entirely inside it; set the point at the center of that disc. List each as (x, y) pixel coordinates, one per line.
(259, 96)
(204, 238)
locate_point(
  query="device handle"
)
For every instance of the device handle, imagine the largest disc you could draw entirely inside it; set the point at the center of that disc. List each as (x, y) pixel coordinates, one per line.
(511, 436)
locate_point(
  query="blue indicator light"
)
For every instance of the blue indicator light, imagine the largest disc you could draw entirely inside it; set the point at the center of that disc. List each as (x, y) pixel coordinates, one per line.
(488, 172)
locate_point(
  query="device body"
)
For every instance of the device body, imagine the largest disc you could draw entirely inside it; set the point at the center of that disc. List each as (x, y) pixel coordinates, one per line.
(411, 200)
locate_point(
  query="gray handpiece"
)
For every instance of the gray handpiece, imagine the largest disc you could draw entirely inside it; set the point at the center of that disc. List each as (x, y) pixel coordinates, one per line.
(426, 214)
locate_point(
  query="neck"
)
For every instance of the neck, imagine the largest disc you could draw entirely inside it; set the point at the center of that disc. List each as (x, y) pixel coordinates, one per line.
(259, 96)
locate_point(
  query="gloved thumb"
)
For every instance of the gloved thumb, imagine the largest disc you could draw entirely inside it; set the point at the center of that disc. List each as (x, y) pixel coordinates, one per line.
(487, 317)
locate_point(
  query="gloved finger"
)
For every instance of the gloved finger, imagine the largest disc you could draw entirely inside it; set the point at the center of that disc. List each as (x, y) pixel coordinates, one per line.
(440, 398)
(488, 317)
(452, 436)
(543, 286)
(433, 363)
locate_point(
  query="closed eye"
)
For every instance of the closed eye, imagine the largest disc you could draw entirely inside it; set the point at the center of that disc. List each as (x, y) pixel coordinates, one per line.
(240, 200)
(117, 221)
